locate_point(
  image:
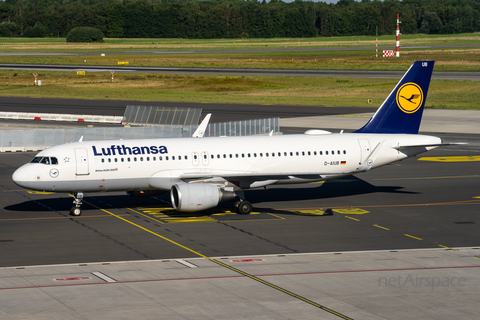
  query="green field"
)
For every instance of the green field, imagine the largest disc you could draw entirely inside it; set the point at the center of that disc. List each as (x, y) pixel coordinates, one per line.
(231, 89)
(262, 90)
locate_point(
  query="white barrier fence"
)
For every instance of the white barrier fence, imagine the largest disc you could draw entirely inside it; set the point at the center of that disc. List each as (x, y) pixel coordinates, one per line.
(60, 117)
(39, 139)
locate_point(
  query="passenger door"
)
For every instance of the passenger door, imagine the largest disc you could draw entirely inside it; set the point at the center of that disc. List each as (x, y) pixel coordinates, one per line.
(81, 158)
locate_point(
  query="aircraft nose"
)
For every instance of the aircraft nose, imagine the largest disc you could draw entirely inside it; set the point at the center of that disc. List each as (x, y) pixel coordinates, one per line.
(20, 177)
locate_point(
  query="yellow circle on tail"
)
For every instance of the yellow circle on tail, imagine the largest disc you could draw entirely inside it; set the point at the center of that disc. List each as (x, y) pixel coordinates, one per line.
(409, 97)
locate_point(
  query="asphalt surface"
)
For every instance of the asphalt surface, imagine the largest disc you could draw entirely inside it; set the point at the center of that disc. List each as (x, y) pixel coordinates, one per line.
(439, 75)
(222, 112)
(136, 257)
(434, 201)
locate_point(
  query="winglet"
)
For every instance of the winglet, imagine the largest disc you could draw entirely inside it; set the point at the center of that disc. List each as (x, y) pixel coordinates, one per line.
(202, 127)
(402, 111)
(81, 139)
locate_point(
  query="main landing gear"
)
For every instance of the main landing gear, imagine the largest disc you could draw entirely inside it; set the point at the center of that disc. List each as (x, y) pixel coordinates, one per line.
(76, 210)
(242, 206)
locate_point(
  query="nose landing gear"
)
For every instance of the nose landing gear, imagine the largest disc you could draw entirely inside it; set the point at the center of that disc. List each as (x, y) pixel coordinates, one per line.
(76, 210)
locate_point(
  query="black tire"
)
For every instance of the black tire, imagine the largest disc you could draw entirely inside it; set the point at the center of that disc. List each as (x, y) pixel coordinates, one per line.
(75, 211)
(244, 207)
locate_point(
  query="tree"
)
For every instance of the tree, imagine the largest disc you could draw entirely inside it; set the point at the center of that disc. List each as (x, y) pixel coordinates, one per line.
(85, 34)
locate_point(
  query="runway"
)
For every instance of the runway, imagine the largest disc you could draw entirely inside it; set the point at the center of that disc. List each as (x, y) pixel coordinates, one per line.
(437, 75)
(163, 264)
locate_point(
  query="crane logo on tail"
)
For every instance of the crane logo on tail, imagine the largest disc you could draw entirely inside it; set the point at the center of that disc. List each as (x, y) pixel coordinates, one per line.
(409, 97)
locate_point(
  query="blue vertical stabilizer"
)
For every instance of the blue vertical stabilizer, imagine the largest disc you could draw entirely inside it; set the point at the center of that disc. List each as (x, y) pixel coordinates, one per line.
(402, 111)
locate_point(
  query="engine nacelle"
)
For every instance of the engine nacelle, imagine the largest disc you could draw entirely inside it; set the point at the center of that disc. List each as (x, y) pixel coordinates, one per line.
(191, 197)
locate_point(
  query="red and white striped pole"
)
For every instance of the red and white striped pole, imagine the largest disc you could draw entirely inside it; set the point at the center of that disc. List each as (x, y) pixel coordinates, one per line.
(398, 36)
(111, 79)
(376, 43)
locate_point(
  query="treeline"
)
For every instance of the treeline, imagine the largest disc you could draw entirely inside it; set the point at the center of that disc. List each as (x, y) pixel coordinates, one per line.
(210, 19)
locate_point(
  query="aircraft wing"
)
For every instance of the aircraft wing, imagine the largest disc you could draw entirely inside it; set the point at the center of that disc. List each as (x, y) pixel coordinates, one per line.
(258, 176)
(400, 147)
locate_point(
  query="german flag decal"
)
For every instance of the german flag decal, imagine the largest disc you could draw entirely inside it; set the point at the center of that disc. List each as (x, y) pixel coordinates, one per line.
(343, 162)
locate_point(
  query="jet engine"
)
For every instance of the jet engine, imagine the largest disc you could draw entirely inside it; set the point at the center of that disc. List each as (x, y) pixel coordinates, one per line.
(191, 197)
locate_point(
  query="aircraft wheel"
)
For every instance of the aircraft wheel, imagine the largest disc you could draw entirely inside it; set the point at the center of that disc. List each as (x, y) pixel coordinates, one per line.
(244, 207)
(75, 211)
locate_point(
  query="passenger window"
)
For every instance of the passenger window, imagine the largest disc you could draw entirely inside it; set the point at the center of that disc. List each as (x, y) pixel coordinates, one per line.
(218, 156)
(308, 153)
(255, 155)
(123, 160)
(224, 156)
(54, 160)
(326, 152)
(186, 157)
(338, 151)
(261, 154)
(314, 153)
(128, 159)
(159, 158)
(194, 157)
(166, 157)
(115, 159)
(321, 153)
(141, 158)
(109, 160)
(211, 156)
(236, 155)
(291, 154)
(243, 155)
(230, 155)
(273, 154)
(103, 160)
(297, 153)
(333, 152)
(249, 155)
(148, 158)
(173, 157)
(135, 159)
(303, 153)
(344, 151)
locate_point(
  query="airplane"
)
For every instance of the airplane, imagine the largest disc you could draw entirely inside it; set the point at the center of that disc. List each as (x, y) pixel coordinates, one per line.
(200, 172)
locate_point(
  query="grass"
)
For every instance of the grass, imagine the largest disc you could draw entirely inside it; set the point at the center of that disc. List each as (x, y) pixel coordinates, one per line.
(228, 89)
(248, 89)
(446, 60)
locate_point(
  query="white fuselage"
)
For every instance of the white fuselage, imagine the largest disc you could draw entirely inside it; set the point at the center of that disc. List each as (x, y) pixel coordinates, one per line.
(252, 161)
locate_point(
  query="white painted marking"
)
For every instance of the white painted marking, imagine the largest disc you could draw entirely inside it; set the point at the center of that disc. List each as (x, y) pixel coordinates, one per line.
(103, 276)
(186, 263)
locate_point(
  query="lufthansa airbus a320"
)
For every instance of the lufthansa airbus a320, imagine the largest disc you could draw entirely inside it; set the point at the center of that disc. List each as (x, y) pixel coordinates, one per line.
(201, 172)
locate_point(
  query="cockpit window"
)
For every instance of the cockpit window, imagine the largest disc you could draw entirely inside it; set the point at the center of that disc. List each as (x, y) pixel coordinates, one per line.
(36, 160)
(45, 160)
